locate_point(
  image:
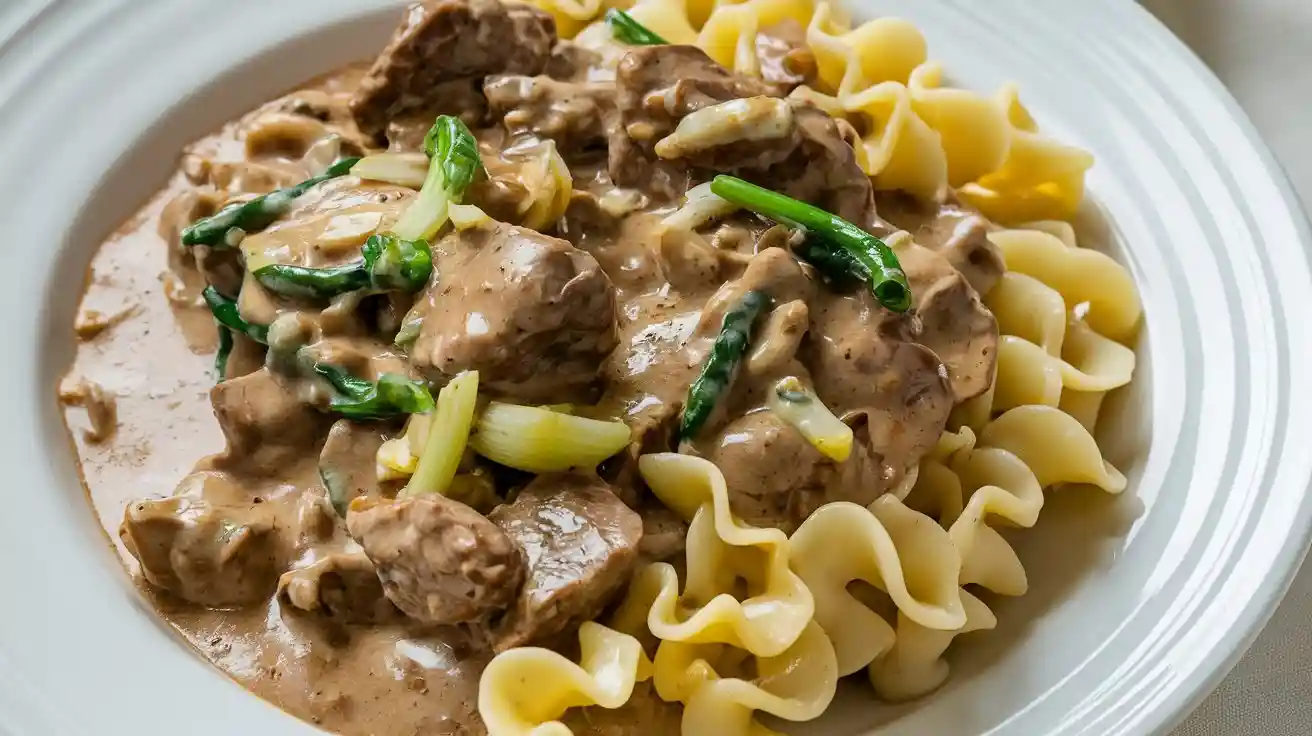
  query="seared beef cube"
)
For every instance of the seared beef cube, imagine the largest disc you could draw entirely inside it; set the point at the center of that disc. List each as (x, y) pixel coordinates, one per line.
(342, 586)
(439, 560)
(656, 86)
(209, 543)
(867, 369)
(581, 544)
(823, 169)
(443, 40)
(534, 315)
(573, 114)
(811, 159)
(954, 323)
(264, 422)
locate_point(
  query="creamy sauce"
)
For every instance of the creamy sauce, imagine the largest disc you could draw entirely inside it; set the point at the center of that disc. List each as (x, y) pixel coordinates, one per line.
(146, 344)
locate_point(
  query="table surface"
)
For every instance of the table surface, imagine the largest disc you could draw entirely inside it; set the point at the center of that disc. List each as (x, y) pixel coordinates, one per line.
(1262, 50)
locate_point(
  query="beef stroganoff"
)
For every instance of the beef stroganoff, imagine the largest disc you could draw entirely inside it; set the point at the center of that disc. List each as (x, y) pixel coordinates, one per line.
(599, 370)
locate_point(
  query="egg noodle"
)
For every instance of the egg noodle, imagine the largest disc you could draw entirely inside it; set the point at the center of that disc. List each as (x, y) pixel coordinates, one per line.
(765, 623)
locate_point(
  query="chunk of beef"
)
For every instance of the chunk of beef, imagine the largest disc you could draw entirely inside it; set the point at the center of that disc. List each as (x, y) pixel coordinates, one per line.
(664, 534)
(656, 86)
(209, 543)
(534, 315)
(866, 369)
(444, 40)
(823, 169)
(462, 98)
(342, 586)
(776, 478)
(264, 422)
(952, 230)
(787, 145)
(576, 115)
(954, 323)
(439, 560)
(581, 543)
(963, 239)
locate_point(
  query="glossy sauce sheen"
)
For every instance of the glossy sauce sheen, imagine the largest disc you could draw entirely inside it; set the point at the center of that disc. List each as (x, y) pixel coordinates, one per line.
(147, 343)
(397, 679)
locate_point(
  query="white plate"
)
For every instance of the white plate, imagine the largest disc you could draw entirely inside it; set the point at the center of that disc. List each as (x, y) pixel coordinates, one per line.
(1139, 605)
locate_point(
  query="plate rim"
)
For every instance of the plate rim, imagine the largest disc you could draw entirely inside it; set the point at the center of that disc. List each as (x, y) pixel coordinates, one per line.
(1256, 612)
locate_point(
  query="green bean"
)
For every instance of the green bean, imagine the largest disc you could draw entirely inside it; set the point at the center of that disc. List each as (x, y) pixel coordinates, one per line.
(312, 283)
(358, 398)
(226, 314)
(838, 267)
(221, 355)
(225, 228)
(872, 261)
(389, 263)
(625, 29)
(718, 370)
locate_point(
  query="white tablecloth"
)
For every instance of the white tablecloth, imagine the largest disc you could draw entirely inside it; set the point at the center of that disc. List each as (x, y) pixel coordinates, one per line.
(1262, 50)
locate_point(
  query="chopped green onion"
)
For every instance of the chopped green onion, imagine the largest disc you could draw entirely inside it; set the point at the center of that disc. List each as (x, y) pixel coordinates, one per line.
(311, 283)
(871, 260)
(795, 403)
(627, 30)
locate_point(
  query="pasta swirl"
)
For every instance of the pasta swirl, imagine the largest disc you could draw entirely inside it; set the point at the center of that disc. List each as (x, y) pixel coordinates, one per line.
(610, 664)
(899, 551)
(720, 551)
(796, 685)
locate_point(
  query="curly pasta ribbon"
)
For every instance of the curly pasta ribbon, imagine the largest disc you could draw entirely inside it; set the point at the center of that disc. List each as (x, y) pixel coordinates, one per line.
(1025, 450)
(899, 551)
(796, 684)
(1063, 311)
(914, 665)
(524, 691)
(726, 659)
(720, 552)
(1041, 178)
(1081, 276)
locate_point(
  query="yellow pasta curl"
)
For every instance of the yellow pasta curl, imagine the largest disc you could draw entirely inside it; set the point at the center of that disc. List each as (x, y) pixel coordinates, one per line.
(1041, 178)
(1079, 275)
(523, 692)
(899, 551)
(721, 551)
(795, 685)
(914, 665)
